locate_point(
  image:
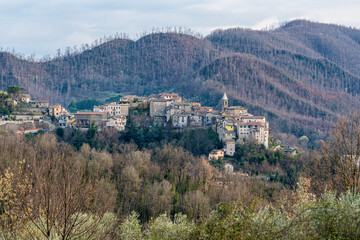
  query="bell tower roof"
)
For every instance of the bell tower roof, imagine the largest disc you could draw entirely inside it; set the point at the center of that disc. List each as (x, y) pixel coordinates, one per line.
(225, 97)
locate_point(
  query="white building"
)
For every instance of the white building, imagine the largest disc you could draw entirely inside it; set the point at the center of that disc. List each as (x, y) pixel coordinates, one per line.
(117, 122)
(180, 120)
(228, 169)
(114, 109)
(230, 147)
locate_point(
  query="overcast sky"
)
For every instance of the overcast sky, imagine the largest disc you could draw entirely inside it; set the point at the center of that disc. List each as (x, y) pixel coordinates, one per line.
(43, 26)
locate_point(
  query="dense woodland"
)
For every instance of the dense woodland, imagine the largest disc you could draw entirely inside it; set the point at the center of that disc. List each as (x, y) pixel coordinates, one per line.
(302, 76)
(154, 183)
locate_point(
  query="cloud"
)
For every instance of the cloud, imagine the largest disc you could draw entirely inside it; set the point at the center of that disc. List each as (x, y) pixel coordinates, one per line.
(272, 22)
(41, 26)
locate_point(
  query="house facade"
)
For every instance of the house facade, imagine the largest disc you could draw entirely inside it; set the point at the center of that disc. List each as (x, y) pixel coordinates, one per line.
(117, 122)
(84, 119)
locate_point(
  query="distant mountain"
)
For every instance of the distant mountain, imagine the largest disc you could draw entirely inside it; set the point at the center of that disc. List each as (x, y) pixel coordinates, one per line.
(337, 43)
(302, 76)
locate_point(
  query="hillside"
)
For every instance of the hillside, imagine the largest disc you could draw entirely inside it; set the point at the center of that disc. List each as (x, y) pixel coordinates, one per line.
(274, 93)
(337, 43)
(302, 75)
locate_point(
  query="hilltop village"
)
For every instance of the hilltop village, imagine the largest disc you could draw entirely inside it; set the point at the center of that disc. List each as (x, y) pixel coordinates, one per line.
(234, 124)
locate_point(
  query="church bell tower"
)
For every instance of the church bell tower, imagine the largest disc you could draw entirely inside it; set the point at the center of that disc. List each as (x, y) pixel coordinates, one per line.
(224, 103)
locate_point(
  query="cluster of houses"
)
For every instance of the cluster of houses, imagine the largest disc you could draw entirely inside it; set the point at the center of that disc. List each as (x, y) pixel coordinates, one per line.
(236, 125)
(113, 115)
(170, 109)
(25, 98)
(233, 123)
(108, 115)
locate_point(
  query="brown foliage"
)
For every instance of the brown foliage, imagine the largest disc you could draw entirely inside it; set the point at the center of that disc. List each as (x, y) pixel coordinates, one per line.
(342, 155)
(68, 191)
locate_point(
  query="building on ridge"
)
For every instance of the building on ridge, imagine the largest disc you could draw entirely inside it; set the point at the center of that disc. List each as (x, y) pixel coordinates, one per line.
(85, 119)
(236, 124)
(224, 103)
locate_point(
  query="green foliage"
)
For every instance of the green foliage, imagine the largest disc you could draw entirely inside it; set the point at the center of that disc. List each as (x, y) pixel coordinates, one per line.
(291, 177)
(77, 138)
(113, 99)
(252, 158)
(87, 104)
(91, 132)
(163, 228)
(276, 157)
(198, 142)
(217, 163)
(238, 221)
(250, 152)
(59, 132)
(160, 228)
(130, 229)
(329, 217)
(304, 140)
(15, 91)
(4, 109)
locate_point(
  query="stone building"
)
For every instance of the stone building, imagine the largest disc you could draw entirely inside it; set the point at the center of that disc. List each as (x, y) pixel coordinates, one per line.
(230, 147)
(25, 98)
(180, 120)
(114, 109)
(197, 118)
(39, 104)
(56, 110)
(235, 110)
(84, 119)
(158, 110)
(118, 109)
(216, 154)
(256, 131)
(66, 120)
(117, 122)
(228, 169)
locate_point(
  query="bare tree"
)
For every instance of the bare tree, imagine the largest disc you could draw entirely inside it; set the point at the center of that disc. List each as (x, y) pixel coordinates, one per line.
(68, 197)
(342, 154)
(158, 198)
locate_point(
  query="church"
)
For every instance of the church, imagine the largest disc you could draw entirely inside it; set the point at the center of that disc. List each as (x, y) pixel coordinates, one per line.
(237, 125)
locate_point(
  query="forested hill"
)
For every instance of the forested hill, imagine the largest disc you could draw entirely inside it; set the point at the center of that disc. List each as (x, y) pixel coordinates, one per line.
(302, 75)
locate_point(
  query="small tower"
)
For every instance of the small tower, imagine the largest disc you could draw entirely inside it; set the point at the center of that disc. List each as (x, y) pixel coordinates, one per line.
(224, 103)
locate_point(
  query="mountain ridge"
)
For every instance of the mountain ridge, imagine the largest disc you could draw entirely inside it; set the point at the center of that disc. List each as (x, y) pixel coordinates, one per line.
(292, 72)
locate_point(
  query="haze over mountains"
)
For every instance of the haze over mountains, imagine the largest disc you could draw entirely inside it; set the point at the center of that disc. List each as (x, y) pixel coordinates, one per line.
(301, 76)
